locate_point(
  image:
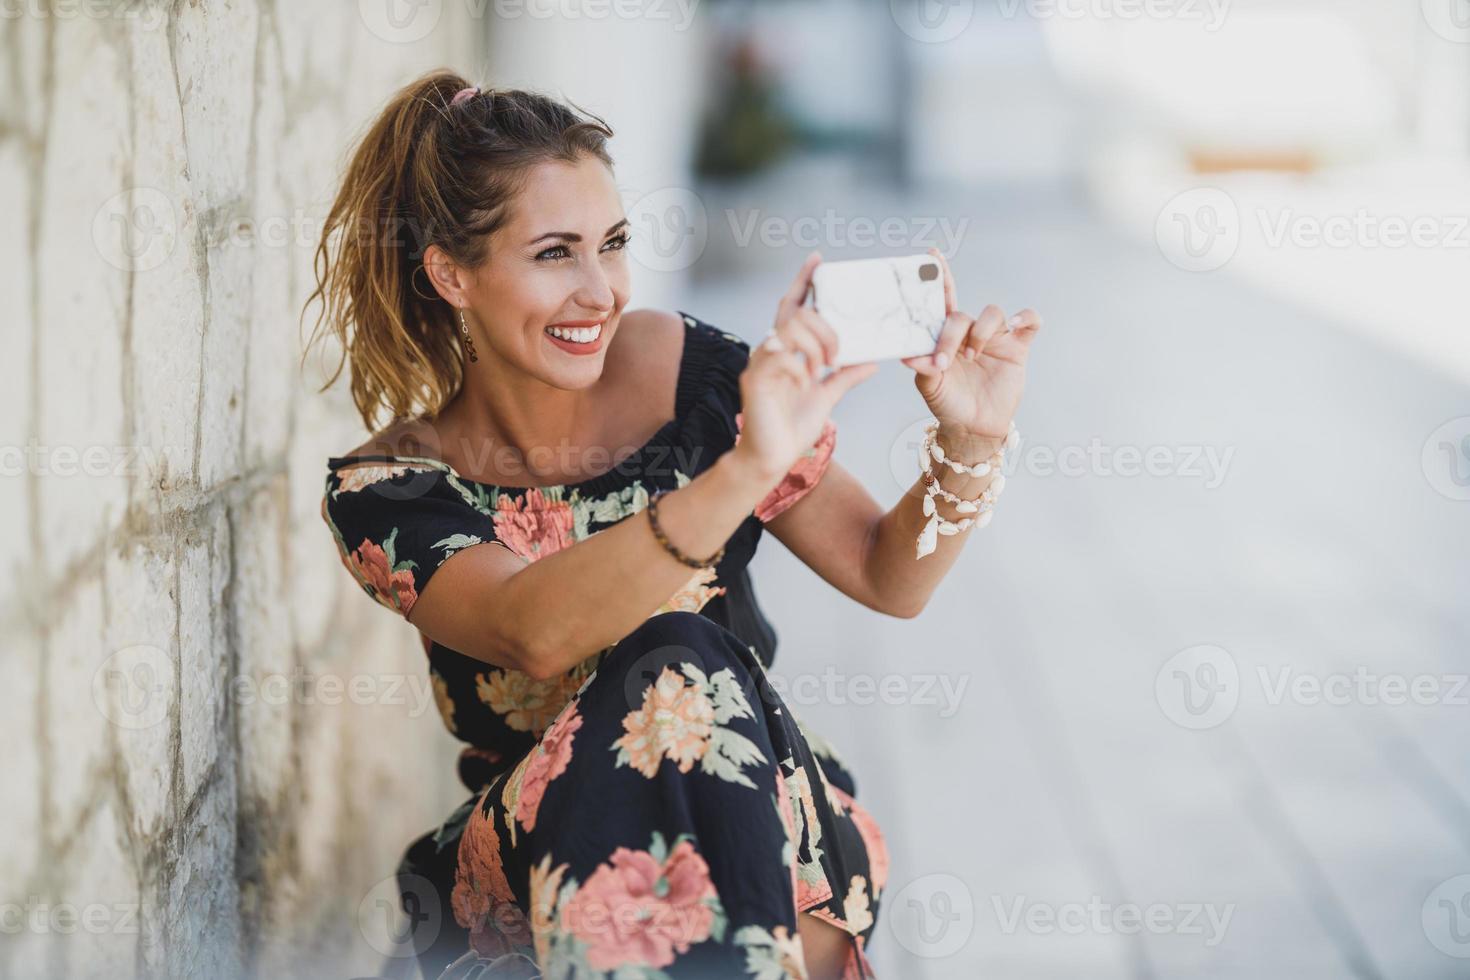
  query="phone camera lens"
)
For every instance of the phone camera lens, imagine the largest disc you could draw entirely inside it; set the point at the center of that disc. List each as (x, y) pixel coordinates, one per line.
(928, 272)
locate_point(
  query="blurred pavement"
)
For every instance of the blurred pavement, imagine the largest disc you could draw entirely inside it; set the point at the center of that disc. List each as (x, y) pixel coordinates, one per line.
(1317, 548)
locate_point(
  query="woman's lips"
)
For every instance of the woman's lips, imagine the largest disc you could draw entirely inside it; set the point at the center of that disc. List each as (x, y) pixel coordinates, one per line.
(584, 328)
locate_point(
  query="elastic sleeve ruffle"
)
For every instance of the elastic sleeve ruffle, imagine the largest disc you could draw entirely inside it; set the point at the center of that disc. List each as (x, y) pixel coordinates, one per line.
(716, 420)
(802, 476)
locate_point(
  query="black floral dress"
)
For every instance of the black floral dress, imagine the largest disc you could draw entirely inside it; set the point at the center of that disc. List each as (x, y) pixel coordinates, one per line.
(658, 811)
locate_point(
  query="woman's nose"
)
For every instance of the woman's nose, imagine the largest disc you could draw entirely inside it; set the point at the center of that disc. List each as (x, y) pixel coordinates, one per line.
(595, 292)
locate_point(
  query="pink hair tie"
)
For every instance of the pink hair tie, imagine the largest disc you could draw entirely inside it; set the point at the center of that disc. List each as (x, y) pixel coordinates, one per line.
(464, 93)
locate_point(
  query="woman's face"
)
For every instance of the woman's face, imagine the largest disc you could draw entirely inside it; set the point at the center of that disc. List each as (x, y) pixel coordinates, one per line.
(559, 262)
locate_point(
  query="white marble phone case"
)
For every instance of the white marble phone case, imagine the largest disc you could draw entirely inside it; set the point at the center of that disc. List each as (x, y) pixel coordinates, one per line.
(884, 308)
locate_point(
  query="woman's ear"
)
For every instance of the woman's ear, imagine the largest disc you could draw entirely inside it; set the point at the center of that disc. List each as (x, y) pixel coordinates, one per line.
(446, 275)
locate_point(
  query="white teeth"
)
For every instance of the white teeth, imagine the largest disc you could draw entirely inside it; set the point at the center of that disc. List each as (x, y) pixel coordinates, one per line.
(577, 335)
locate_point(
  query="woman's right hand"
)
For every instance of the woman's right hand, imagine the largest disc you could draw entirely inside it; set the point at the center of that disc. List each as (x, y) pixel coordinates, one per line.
(783, 404)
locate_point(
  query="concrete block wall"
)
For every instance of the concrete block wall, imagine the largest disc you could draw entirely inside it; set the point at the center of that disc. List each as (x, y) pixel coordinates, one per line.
(215, 747)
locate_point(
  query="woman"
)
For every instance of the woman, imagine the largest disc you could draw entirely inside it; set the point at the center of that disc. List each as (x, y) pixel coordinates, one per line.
(643, 805)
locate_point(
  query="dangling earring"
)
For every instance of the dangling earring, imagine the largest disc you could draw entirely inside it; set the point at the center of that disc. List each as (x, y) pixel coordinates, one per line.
(469, 343)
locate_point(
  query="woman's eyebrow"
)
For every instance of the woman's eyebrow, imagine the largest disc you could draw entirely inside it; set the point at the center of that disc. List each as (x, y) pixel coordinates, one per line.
(571, 236)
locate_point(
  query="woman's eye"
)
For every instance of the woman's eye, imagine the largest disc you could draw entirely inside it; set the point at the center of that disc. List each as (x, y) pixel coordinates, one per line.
(621, 241)
(550, 253)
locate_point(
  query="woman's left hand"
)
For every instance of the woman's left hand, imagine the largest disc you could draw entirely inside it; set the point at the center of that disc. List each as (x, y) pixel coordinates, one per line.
(974, 379)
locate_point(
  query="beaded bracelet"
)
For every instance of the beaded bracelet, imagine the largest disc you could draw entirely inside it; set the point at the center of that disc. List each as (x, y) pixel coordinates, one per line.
(669, 546)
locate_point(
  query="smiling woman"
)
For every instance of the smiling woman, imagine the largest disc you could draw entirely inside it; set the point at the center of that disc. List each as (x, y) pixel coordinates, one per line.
(643, 803)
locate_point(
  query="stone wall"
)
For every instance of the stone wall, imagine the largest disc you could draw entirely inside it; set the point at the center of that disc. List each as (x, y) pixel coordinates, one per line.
(216, 747)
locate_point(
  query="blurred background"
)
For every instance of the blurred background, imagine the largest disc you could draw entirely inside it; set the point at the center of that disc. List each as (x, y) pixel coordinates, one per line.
(1195, 704)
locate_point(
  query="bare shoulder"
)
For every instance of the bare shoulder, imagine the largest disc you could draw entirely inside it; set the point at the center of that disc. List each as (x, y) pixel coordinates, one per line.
(647, 348)
(397, 439)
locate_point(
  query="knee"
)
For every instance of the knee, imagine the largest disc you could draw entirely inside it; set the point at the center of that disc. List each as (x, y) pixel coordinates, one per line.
(680, 640)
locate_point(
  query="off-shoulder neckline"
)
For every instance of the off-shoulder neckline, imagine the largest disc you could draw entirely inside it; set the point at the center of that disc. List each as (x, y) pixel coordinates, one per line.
(685, 387)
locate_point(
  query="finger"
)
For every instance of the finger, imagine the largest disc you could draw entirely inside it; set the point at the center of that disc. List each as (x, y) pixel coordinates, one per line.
(798, 338)
(823, 332)
(796, 292)
(788, 364)
(991, 321)
(951, 303)
(1025, 323)
(957, 327)
(847, 377)
(924, 364)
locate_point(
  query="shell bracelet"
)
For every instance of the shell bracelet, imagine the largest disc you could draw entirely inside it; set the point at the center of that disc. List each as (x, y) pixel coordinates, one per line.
(982, 506)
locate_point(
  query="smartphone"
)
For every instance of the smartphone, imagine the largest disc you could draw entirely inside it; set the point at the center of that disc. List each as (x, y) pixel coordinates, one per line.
(882, 309)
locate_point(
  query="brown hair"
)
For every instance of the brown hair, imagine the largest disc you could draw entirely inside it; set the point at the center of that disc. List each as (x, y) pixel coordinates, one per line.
(431, 170)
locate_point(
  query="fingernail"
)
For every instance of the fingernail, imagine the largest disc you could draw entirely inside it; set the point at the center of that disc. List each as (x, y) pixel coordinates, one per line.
(941, 360)
(1013, 322)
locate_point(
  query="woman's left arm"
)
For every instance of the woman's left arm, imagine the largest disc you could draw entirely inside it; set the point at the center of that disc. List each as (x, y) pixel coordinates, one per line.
(973, 384)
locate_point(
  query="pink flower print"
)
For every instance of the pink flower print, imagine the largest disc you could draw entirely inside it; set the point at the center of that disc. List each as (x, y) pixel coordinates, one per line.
(872, 837)
(548, 761)
(674, 721)
(482, 898)
(353, 478)
(637, 911)
(392, 586)
(535, 527)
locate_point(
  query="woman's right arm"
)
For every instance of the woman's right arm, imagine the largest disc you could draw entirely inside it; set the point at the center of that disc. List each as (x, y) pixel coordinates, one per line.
(547, 616)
